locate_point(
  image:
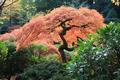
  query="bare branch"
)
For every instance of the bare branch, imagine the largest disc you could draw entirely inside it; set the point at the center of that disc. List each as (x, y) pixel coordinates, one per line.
(1, 6)
(10, 3)
(2, 3)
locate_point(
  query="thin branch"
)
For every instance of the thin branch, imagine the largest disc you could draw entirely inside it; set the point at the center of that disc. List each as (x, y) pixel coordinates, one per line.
(10, 3)
(3, 3)
(1, 7)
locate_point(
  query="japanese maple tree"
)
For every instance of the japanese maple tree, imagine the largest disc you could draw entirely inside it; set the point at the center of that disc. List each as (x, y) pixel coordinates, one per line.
(63, 24)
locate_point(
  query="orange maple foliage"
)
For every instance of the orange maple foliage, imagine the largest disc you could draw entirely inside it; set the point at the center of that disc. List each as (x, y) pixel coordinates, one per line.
(46, 29)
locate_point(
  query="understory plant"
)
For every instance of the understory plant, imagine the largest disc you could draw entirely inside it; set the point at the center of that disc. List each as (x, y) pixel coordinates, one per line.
(98, 57)
(14, 62)
(45, 71)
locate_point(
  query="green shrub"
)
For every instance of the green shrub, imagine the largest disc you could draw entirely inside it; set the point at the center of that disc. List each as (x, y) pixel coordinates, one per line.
(41, 53)
(3, 51)
(12, 62)
(98, 57)
(109, 36)
(44, 71)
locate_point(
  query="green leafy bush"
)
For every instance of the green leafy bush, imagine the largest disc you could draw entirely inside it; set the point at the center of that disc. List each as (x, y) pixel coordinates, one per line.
(98, 57)
(3, 51)
(45, 71)
(109, 36)
(13, 62)
(41, 53)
